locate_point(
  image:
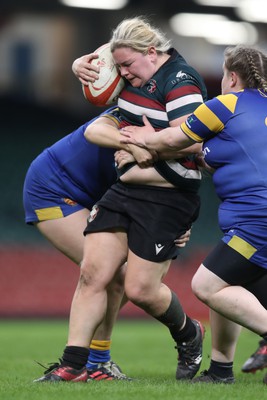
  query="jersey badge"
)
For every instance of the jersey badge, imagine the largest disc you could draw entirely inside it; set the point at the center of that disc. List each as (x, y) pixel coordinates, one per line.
(151, 86)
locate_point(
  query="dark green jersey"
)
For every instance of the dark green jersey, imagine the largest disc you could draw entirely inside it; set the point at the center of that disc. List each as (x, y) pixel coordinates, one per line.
(175, 90)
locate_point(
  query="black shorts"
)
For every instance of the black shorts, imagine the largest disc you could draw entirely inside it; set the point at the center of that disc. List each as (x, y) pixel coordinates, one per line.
(235, 269)
(153, 217)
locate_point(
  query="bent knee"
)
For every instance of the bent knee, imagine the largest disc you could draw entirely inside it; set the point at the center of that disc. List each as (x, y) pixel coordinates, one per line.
(200, 288)
(137, 295)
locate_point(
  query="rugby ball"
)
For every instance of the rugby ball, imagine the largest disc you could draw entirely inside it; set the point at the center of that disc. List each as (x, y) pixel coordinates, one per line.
(106, 89)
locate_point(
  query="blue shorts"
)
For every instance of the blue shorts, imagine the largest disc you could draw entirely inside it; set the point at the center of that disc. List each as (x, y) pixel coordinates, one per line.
(245, 231)
(49, 194)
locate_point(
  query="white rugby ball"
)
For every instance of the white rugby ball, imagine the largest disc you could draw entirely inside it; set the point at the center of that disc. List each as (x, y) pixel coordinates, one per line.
(105, 90)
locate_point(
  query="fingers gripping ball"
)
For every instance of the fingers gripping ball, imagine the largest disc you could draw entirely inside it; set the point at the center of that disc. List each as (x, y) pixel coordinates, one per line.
(106, 89)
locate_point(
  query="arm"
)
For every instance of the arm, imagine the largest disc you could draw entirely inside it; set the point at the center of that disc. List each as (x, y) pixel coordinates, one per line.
(170, 154)
(193, 149)
(104, 132)
(171, 138)
(168, 139)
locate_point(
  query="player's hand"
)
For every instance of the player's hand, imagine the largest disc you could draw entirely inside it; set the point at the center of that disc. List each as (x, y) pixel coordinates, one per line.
(183, 239)
(137, 134)
(123, 157)
(200, 161)
(84, 70)
(144, 158)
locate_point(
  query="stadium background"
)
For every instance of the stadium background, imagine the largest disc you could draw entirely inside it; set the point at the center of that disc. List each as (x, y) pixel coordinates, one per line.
(41, 101)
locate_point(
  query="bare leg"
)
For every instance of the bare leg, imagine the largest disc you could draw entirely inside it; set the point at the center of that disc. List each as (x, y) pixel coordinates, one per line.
(224, 336)
(144, 287)
(143, 284)
(233, 302)
(66, 234)
(97, 271)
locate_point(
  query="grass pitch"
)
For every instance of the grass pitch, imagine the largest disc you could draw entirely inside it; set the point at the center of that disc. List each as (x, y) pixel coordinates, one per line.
(143, 349)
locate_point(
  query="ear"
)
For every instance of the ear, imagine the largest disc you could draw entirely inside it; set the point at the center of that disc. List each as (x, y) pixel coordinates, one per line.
(152, 53)
(234, 79)
(151, 50)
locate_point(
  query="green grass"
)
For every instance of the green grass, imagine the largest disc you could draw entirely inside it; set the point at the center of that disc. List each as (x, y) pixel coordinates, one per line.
(144, 351)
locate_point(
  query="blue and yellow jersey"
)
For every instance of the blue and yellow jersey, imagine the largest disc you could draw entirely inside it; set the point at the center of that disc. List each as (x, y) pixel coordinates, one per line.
(69, 175)
(233, 128)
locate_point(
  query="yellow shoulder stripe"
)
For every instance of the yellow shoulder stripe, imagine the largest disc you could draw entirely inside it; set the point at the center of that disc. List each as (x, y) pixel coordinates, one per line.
(209, 119)
(229, 101)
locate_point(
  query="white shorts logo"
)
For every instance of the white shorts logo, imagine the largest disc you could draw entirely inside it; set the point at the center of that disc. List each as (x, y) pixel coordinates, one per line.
(93, 213)
(158, 248)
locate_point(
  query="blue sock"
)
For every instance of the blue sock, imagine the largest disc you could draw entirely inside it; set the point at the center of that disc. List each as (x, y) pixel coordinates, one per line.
(97, 356)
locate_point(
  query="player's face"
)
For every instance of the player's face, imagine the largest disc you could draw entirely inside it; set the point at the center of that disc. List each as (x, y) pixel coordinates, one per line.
(134, 66)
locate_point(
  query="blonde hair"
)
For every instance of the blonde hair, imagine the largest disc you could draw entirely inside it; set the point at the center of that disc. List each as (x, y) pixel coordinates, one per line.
(138, 34)
(249, 63)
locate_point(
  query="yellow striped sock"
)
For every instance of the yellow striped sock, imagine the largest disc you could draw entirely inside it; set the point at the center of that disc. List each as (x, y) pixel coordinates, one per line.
(100, 345)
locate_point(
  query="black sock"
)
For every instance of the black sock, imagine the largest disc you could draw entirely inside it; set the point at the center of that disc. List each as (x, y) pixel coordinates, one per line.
(173, 318)
(75, 357)
(187, 333)
(221, 369)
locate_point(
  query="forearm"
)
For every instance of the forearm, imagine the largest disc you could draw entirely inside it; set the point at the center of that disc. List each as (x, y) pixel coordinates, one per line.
(170, 154)
(108, 135)
(105, 135)
(169, 139)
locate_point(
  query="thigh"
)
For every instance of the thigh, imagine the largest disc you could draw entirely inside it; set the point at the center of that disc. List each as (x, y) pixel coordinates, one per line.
(207, 282)
(145, 274)
(104, 253)
(66, 233)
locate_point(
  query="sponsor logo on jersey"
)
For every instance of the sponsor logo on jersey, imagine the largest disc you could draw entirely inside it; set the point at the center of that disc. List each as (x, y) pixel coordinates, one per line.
(158, 248)
(181, 76)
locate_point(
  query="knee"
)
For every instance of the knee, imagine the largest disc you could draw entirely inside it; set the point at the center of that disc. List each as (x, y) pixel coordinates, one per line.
(86, 279)
(90, 278)
(199, 288)
(137, 294)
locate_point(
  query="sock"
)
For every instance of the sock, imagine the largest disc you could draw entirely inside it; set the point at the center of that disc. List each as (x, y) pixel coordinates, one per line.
(220, 369)
(187, 333)
(173, 318)
(99, 353)
(75, 356)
